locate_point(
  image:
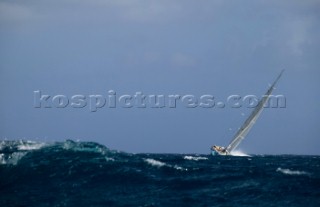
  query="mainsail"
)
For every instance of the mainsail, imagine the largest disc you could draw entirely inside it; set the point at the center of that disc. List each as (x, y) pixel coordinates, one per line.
(245, 128)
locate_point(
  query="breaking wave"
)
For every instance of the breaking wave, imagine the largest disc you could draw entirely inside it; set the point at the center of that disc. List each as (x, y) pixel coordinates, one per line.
(194, 158)
(155, 163)
(291, 172)
(13, 151)
(73, 173)
(159, 164)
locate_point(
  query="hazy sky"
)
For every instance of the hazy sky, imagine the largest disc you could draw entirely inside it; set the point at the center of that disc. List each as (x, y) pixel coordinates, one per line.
(161, 47)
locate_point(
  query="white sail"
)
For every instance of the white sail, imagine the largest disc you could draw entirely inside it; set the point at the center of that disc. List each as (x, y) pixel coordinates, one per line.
(245, 128)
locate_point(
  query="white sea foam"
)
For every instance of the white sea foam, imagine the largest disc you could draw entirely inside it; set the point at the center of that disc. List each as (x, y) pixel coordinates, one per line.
(155, 163)
(239, 153)
(30, 145)
(194, 158)
(19, 149)
(177, 167)
(14, 158)
(2, 144)
(2, 160)
(291, 172)
(110, 159)
(159, 164)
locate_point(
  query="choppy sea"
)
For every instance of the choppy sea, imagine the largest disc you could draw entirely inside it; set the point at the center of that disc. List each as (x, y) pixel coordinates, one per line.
(89, 174)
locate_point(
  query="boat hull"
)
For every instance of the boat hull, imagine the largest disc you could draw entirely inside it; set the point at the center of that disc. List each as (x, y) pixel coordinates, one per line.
(216, 153)
(218, 150)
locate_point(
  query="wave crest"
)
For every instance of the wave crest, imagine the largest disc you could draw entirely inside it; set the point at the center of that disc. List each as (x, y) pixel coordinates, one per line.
(155, 163)
(194, 158)
(291, 172)
(12, 151)
(159, 164)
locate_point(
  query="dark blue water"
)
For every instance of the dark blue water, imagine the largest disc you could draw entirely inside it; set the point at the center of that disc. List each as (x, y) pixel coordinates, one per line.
(88, 174)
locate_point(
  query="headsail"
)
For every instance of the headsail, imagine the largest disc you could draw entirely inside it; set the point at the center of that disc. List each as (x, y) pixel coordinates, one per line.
(245, 128)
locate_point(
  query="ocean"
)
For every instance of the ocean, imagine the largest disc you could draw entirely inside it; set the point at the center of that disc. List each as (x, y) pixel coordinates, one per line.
(89, 174)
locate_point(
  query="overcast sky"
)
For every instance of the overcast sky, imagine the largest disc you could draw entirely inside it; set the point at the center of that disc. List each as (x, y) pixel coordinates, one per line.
(161, 47)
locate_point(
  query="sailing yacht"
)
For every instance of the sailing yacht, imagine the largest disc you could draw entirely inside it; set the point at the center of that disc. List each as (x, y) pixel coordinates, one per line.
(247, 125)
